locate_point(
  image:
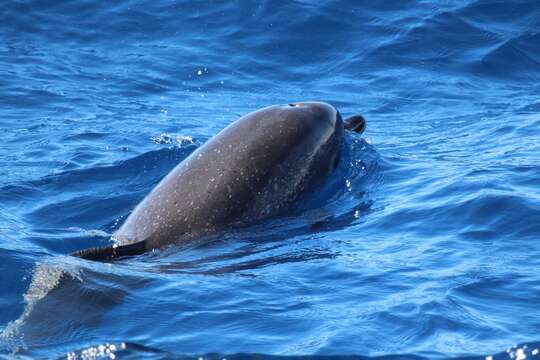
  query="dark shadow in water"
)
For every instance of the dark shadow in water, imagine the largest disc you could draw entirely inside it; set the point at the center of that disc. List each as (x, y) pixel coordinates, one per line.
(65, 301)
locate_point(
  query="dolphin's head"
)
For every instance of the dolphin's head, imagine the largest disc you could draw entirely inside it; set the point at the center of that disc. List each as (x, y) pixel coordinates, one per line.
(322, 127)
(330, 119)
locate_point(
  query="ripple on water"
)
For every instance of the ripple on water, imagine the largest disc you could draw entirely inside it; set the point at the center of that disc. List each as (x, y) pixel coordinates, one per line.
(421, 244)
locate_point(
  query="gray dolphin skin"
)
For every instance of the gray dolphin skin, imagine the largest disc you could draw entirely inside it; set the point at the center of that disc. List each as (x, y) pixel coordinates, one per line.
(255, 168)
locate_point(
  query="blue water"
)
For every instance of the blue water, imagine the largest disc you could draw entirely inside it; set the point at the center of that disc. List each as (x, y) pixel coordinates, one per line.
(429, 240)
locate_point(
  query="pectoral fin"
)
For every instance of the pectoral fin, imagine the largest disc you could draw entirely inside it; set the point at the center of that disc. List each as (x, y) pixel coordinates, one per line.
(355, 123)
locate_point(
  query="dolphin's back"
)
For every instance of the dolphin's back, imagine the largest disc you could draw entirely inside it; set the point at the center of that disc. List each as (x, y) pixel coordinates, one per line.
(253, 168)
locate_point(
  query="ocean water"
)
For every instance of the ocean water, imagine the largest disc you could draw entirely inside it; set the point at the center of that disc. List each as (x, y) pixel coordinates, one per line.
(429, 247)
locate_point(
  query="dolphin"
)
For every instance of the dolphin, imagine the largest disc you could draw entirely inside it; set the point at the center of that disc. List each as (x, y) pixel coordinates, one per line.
(255, 168)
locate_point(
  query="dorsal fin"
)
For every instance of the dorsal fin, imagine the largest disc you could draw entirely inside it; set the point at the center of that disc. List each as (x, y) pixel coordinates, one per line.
(109, 253)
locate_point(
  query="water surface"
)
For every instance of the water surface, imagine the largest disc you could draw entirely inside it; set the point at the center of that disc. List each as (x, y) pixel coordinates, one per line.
(429, 241)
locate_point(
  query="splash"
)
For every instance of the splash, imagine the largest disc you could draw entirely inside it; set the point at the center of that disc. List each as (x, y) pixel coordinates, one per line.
(179, 140)
(107, 351)
(46, 277)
